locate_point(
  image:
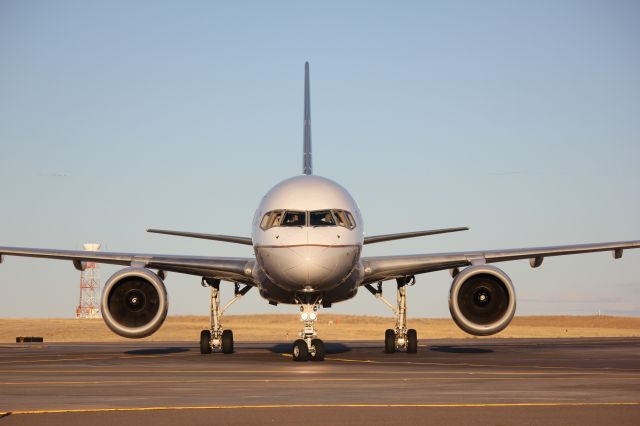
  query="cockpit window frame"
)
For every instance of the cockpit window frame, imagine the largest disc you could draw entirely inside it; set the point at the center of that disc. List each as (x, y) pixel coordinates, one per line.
(275, 218)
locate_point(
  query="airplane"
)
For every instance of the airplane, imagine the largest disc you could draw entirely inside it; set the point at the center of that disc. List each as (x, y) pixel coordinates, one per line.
(307, 235)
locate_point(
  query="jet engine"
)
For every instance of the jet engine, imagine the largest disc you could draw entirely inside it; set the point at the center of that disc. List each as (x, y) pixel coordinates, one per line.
(482, 300)
(134, 302)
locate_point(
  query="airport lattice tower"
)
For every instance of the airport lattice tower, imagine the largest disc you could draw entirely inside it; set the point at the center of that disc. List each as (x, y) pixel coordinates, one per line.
(89, 306)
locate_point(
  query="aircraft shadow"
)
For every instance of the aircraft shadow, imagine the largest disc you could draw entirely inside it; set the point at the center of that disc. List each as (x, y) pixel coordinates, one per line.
(460, 350)
(330, 348)
(157, 351)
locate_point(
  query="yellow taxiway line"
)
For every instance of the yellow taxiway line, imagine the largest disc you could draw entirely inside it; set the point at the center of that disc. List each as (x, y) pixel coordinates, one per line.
(95, 358)
(302, 380)
(466, 364)
(267, 406)
(310, 372)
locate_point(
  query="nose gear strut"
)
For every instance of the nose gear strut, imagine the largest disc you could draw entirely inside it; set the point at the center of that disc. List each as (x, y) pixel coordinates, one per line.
(308, 347)
(400, 337)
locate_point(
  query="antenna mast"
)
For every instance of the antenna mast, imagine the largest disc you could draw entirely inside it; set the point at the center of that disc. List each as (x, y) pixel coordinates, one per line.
(89, 305)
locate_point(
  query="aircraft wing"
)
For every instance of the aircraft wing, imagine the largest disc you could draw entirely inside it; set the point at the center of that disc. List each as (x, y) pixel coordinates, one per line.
(390, 267)
(224, 268)
(216, 237)
(390, 237)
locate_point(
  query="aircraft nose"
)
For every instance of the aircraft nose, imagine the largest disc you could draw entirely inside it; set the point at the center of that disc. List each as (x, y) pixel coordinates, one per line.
(308, 267)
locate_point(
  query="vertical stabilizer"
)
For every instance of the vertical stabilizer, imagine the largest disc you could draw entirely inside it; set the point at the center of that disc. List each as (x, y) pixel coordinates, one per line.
(306, 155)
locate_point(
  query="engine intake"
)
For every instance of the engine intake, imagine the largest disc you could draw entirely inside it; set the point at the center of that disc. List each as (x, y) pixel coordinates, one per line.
(482, 300)
(134, 302)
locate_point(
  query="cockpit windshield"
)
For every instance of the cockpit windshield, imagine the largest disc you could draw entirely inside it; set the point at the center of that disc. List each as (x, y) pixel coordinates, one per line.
(315, 218)
(294, 218)
(321, 218)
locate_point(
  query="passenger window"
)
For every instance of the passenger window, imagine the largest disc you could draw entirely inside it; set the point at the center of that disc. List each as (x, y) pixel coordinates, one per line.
(271, 219)
(321, 218)
(293, 218)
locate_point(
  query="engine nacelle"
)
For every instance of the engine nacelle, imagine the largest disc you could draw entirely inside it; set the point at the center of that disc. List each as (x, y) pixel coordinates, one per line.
(134, 302)
(482, 300)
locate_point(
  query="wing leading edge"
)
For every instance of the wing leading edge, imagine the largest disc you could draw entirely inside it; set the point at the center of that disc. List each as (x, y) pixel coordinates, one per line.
(390, 267)
(225, 268)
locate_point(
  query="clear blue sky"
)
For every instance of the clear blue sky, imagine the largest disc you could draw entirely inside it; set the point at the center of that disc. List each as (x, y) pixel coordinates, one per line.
(520, 120)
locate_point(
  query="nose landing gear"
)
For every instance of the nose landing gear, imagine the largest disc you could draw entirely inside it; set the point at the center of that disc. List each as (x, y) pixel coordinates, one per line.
(308, 347)
(400, 337)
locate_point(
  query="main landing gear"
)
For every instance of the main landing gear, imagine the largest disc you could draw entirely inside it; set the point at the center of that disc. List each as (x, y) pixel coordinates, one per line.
(308, 347)
(216, 338)
(400, 337)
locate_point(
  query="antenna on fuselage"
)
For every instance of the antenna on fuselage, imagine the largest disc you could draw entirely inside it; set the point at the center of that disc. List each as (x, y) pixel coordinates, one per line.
(306, 155)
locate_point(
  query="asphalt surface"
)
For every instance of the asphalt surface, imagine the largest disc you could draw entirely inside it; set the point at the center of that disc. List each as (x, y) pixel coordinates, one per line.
(471, 381)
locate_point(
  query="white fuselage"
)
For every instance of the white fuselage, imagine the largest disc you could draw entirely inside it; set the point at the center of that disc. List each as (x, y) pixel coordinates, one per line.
(307, 234)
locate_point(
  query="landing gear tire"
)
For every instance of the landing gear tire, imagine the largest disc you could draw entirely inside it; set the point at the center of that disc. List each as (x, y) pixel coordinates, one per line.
(317, 350)
(412, 341)
(205, 342)
(227, 342)
(300, 351)
(389, 341)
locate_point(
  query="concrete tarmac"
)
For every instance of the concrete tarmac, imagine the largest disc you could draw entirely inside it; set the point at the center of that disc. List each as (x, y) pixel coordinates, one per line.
(470, 381)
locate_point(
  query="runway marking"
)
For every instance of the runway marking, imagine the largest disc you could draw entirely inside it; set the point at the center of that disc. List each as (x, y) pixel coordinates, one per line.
(366, 361)
(299, 372)
(235, 407)
(95, 358)
(41, 355)
(466, 364)
(302, 380)
(89, 370)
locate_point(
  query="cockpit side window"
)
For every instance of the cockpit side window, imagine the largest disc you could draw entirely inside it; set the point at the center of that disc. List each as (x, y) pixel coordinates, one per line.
(352, 221)
(341, 218)
(321, 218)
(271, 219)
(294, 218)
(344, 219)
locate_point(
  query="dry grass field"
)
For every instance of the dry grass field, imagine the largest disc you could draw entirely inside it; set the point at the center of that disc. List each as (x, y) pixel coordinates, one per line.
(283, 328)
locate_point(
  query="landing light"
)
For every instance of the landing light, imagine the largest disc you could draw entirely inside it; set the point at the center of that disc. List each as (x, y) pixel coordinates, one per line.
(313, 316)
(304, 316)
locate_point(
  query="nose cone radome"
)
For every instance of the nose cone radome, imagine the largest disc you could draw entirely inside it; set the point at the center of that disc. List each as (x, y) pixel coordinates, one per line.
(308, 267)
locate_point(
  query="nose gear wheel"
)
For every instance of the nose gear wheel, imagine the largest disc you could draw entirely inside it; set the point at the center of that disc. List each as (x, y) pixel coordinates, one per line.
(300, 351)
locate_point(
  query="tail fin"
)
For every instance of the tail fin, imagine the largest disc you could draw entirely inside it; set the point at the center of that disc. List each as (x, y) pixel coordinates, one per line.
(307, 168)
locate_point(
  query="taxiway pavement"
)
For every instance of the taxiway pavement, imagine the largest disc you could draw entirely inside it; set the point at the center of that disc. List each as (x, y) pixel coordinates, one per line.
(470, 381)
